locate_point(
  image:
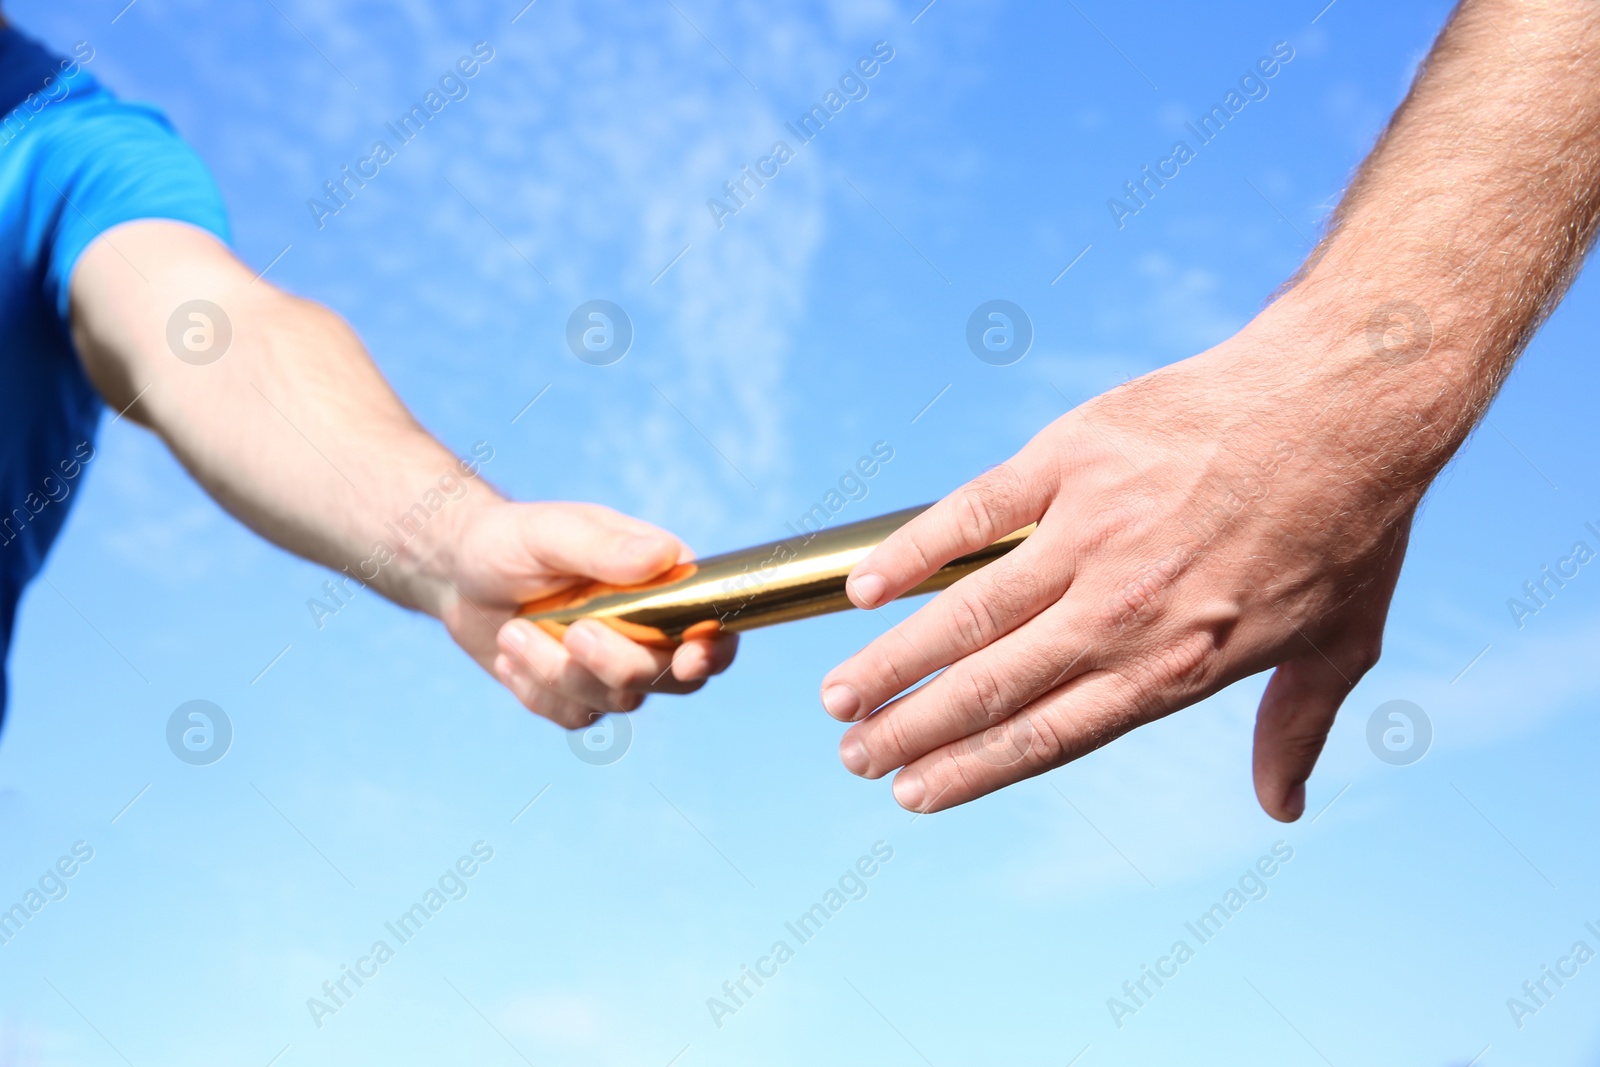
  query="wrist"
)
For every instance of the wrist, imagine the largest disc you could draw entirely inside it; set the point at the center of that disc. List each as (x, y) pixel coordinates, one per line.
(1389, 377)
(427, 540)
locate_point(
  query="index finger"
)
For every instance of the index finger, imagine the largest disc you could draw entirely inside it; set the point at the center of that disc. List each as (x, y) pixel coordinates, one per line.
(997, 502)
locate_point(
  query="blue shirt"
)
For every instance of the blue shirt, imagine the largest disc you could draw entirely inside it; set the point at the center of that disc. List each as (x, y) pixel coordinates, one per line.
(74, 162)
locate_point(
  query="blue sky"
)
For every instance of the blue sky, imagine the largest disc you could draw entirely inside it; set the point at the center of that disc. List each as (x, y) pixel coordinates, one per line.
(369, 756)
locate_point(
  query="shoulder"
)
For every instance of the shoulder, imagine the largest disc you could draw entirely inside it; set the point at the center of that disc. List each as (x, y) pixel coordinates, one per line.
(93, 162)
(97, 128)
(113, 161)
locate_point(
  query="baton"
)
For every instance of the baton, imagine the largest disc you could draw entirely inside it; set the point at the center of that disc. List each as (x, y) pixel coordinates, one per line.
(796, 578)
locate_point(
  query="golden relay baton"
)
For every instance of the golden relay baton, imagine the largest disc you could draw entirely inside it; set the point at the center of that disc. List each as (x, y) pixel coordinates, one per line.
(795, 578)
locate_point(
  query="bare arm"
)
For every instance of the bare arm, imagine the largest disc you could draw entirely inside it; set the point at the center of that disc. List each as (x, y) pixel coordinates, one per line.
(1249, 507)
(273, 405)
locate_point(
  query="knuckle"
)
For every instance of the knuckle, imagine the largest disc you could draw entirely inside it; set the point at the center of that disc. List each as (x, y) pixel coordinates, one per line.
(922, 561)
(889, 745)
(986, 609)
(1365, 656)
(535, 696)
(880, 665)
(974, 620)
(1046, 746)
(610, 670)
(1017, 588)
(1192, 661)
(1138, 685)
(607, 674)
(638, 676)
(985, 500)
(982, 692)
(957, 773)
(1116, 516)
(1170, 666)
(1136, 601)
(1003, 484)
(973, 520)
(1140, 598)
(535, 673)
(1302, 747)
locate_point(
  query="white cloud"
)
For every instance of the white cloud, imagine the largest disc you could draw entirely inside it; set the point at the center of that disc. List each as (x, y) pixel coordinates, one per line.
(593, 141)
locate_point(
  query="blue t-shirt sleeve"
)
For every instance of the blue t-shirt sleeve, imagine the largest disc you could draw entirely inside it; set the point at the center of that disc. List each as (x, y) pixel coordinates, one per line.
(103, 162)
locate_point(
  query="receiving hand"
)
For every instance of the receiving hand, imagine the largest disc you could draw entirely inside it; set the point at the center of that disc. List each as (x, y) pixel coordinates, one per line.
(1196, 526)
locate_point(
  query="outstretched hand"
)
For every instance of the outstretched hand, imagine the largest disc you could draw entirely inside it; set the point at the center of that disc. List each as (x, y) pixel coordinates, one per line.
(1196, 526)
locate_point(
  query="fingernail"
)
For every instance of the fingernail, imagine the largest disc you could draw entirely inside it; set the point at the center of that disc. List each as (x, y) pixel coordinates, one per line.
(1295, 802)
(502, 667)
(516, 633)
(868, 589)
(853, 754)
(909, 792)
(842, 702)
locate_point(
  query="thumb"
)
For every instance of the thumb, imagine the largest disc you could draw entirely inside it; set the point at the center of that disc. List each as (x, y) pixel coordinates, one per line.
(1297, 711)
(1304, 693)
(591, 541)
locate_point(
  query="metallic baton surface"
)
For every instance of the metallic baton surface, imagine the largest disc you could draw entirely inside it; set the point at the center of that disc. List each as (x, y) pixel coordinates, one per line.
(795, 578)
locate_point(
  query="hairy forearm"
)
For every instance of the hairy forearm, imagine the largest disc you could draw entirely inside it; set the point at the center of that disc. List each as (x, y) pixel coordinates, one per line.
(292, 429)
(1462, 229)
(329, 464)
